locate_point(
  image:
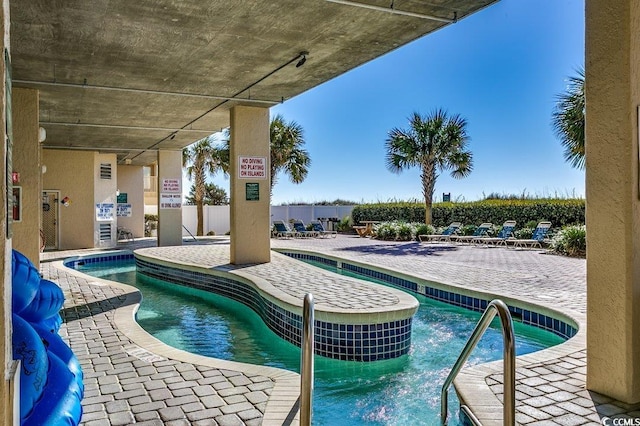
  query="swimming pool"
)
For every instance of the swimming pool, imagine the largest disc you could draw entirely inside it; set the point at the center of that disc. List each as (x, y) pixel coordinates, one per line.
(402, 391)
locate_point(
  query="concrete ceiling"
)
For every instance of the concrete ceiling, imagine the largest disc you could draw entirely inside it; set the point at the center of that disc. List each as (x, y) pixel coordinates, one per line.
(132, 77)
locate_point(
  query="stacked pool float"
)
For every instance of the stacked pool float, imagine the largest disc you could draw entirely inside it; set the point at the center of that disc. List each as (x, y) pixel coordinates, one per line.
(51, 386)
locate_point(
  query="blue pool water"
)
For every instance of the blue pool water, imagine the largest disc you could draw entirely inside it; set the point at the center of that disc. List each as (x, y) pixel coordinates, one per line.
(403, 391)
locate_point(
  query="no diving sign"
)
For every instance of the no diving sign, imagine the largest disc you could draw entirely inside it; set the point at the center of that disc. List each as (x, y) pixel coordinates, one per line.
(252, 167)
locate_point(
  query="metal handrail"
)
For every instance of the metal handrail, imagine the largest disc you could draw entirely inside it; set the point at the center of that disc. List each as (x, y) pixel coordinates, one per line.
(509, 384)
(306, 361)
(185, 228)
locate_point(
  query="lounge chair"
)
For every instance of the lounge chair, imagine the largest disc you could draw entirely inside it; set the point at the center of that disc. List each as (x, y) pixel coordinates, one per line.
(479, 232)
(319, 228)
(445, 236)
(301, 229)
(536, 239)
(281, 230)
(501, 238)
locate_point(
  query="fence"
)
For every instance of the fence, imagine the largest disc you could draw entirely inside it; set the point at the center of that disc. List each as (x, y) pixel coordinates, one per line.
(218, 218)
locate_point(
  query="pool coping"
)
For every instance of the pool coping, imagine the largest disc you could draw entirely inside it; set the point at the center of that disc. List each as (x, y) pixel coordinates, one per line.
(282, 405)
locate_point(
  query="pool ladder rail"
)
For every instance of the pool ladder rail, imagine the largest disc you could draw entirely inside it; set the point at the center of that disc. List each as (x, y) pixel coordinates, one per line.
(306, 361)
(498, 307)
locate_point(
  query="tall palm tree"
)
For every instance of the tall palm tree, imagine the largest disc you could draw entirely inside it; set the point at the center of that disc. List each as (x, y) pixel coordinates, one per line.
(200, 159)
(287, 153)
(568, 120)
(434, 143)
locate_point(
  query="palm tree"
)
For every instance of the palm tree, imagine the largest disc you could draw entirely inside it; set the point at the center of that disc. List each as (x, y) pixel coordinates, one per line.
(287, 154)
(568, 120)
(200, 159)
(434, 143)
(214, 195)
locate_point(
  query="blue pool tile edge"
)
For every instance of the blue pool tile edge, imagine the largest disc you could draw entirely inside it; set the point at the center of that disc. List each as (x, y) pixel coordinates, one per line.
(526, 316)
(349, 342)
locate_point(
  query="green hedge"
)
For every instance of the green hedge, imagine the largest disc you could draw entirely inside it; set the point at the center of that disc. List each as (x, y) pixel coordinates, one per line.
(559, 212)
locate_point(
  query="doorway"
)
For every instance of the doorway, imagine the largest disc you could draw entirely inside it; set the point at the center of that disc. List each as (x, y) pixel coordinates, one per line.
(50, 221)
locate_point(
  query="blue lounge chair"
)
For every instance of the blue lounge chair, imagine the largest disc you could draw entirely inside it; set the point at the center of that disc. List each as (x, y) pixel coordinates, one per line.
(319, 228)
(536, 239)
(281, 230)
(445, 236)
(505, 233)
(479, 232)
(301, 229)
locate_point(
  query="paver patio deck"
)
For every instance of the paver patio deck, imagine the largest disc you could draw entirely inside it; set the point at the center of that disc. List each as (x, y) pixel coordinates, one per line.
(132, 378)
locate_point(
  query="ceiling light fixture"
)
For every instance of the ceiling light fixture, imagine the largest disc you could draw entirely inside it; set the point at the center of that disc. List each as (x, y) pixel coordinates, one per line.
(303, 59)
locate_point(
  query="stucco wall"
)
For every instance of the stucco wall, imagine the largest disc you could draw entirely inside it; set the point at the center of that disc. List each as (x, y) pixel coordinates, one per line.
(26, 162)
(613, 206)
(72, 173)
(130, 181)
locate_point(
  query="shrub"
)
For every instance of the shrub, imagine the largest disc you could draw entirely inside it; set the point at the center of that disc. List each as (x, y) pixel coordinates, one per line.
(570, 241)
(150, 217)
(385, 231)
(424, 229)
(526, 213)
(400, 231)
(344, 225)
(467, 230)
(524, 233)
(405, 232)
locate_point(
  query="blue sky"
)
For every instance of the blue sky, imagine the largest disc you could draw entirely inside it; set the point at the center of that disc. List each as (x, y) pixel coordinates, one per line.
(500, 68)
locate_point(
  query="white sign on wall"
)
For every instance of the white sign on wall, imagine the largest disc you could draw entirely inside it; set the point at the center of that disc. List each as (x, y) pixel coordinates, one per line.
(170, 201)
(171, 185)
(252, 167)
(104, 211)
(124, 210)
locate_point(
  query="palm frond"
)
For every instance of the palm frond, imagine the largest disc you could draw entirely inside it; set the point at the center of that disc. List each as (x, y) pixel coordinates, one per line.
(568, 120)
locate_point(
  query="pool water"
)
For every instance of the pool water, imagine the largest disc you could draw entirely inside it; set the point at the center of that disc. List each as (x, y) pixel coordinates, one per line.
(402, 391)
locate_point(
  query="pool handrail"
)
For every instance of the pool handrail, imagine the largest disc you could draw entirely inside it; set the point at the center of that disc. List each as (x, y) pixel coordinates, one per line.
(306, 361)
(496, 306)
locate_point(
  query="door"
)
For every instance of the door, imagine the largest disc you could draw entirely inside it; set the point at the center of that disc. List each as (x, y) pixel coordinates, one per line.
(50, 202)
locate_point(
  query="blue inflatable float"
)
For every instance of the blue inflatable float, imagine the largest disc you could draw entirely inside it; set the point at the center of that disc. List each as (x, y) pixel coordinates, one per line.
(51, 387)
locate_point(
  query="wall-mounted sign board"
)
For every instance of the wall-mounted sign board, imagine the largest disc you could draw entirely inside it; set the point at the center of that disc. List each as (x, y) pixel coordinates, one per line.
(252, 191)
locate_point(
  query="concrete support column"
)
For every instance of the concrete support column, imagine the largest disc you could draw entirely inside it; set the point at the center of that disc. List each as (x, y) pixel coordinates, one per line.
(250, 198)
(27, 163)
(613, 198)
(169, 198)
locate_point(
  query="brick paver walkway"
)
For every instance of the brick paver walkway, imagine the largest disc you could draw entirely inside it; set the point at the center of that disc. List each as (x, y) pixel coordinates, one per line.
(122, 374)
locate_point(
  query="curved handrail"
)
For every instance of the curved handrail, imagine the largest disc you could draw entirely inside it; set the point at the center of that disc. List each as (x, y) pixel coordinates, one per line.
(496, 306)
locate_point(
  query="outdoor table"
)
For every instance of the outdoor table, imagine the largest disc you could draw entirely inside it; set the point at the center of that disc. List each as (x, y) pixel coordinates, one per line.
(367, 229)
